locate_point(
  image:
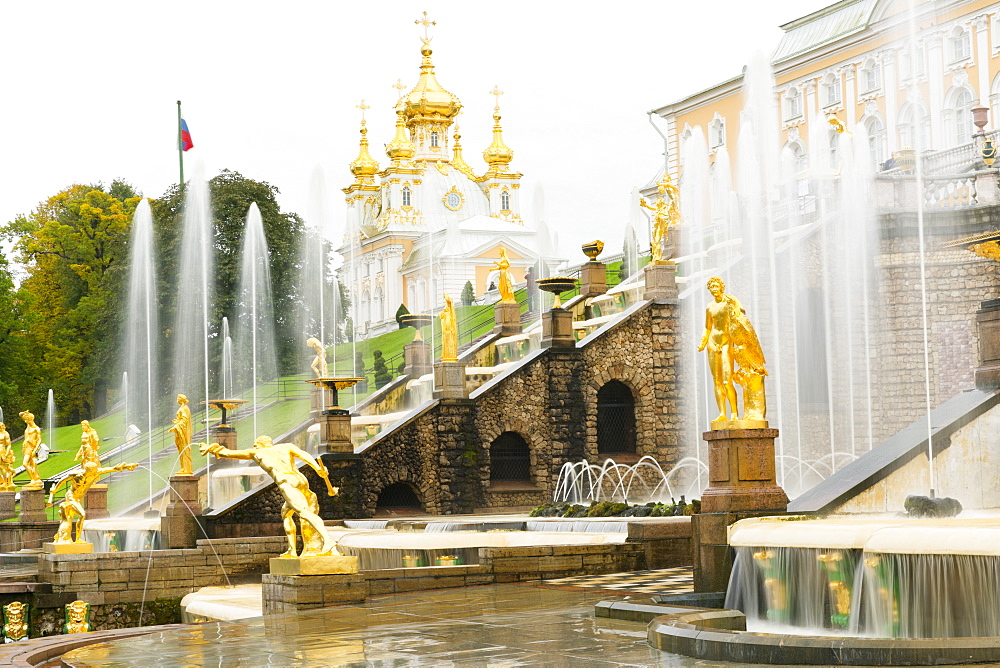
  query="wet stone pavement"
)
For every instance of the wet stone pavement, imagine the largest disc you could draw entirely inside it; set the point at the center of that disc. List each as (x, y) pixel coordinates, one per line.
(493, 625)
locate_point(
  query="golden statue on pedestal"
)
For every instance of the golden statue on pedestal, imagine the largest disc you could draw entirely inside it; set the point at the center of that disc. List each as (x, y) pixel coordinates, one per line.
(730, 338)
(666, 214)
(449, 331)
(505, 281)
(72, 511)
(15, 621)
(319, 362)
(32, 443)
(182, 435)
(6, 461)
(278, 459)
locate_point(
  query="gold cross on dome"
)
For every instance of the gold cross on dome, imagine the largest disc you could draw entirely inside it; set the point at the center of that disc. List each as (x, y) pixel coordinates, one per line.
(362, 107)
(496, 92)
(400, 86)
(427, 23)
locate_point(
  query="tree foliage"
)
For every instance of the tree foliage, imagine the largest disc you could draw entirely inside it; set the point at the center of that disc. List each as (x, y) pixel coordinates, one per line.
(468, 294)
(74, 247)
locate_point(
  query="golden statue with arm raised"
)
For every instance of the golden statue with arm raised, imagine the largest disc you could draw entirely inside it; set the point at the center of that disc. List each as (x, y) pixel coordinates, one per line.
(278, 459)
(71, 510)
(505, 282)
(30, 447)
(666, 214)
(319, 366)
(182, 435)
(89, 445)
(6, 461)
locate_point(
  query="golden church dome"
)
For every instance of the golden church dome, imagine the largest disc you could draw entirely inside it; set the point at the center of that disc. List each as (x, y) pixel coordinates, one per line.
(400, 148)
(428, 99)
(498, 155)
(364, 166)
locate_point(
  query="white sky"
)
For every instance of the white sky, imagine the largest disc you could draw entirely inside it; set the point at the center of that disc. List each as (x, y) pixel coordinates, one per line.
(270, 88)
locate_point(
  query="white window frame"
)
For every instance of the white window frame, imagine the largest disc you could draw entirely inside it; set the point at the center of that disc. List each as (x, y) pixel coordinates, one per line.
(716, 132)
(870, 77)
(959, 37)
(832, 84)
(793, 104)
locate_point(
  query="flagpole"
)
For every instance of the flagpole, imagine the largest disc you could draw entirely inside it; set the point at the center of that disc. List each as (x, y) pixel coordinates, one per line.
(180, 141)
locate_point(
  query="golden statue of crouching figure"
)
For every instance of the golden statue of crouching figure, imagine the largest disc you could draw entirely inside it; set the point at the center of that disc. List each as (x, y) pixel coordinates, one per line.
(71, 510)
(278, 459)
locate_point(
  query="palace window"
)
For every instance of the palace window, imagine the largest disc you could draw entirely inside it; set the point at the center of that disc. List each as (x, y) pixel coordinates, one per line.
(831, 90)
(716, 133)
(505, 200)
(960, 47)
(871, 78)
(914, 127)
(911, 62)
(793, 104)
(961, 117)
(434, 139)
(875, 130)
(834, 149)
(406, 196)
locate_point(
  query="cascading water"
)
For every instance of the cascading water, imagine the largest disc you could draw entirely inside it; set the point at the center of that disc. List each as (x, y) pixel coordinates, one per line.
(50, 426)
(641, 482)
(228, 382)
(254, 342)
(143, 328)
(194, 295)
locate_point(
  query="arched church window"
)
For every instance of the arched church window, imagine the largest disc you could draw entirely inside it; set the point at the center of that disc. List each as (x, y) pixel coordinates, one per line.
(505, 200)
(434, 139)
(406, 195)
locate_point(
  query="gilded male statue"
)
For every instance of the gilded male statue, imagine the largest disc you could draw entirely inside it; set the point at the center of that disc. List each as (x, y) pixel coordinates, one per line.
(505, 283)
(6, 461)
(730, 338)
(666, 213)
(319, 366)
(30, 448)
(89, 445)
(182, 434)
(278, 459)
(449, 331)
(71, 511)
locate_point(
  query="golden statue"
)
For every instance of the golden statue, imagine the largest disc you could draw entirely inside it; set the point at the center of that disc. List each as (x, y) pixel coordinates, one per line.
(730, 338)
(32, 443)
(71, 510)
(89, 445)
(278, 459)
(449, 331)
(77, 617)
(182, 435)
(319, 363)
(6, 461)
(15, 621)
(666, 214)
(505, 282)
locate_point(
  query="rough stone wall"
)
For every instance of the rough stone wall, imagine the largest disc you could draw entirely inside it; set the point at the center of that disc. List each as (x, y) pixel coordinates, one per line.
(957, 281)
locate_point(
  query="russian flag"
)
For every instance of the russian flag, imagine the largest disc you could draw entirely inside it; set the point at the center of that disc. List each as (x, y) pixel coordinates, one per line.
(186, 143)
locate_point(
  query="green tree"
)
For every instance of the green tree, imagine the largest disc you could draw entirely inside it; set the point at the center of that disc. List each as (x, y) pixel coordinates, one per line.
(16, 379)
(74, 247)
(400, 312)
(231, 195)
(468, 294)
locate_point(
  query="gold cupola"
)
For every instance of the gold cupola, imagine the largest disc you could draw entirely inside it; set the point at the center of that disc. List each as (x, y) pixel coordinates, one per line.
(498, 155)
(428, 100)
(364, 166)
(400, 148)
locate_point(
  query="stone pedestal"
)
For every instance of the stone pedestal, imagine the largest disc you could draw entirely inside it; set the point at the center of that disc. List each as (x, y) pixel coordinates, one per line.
(988, 328)
(225, 436)
(508, 317)
(179, 524)
(8, 505)
(97, 502)
(661, 281)
(449, 380)
(315, 399)
(336, 564)
(335, 430)
(741, 472)
(557, 329)
(291, 593)
(593, 279)
(68, 548)
(32, 505)
(417, 355)
(741, 484)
